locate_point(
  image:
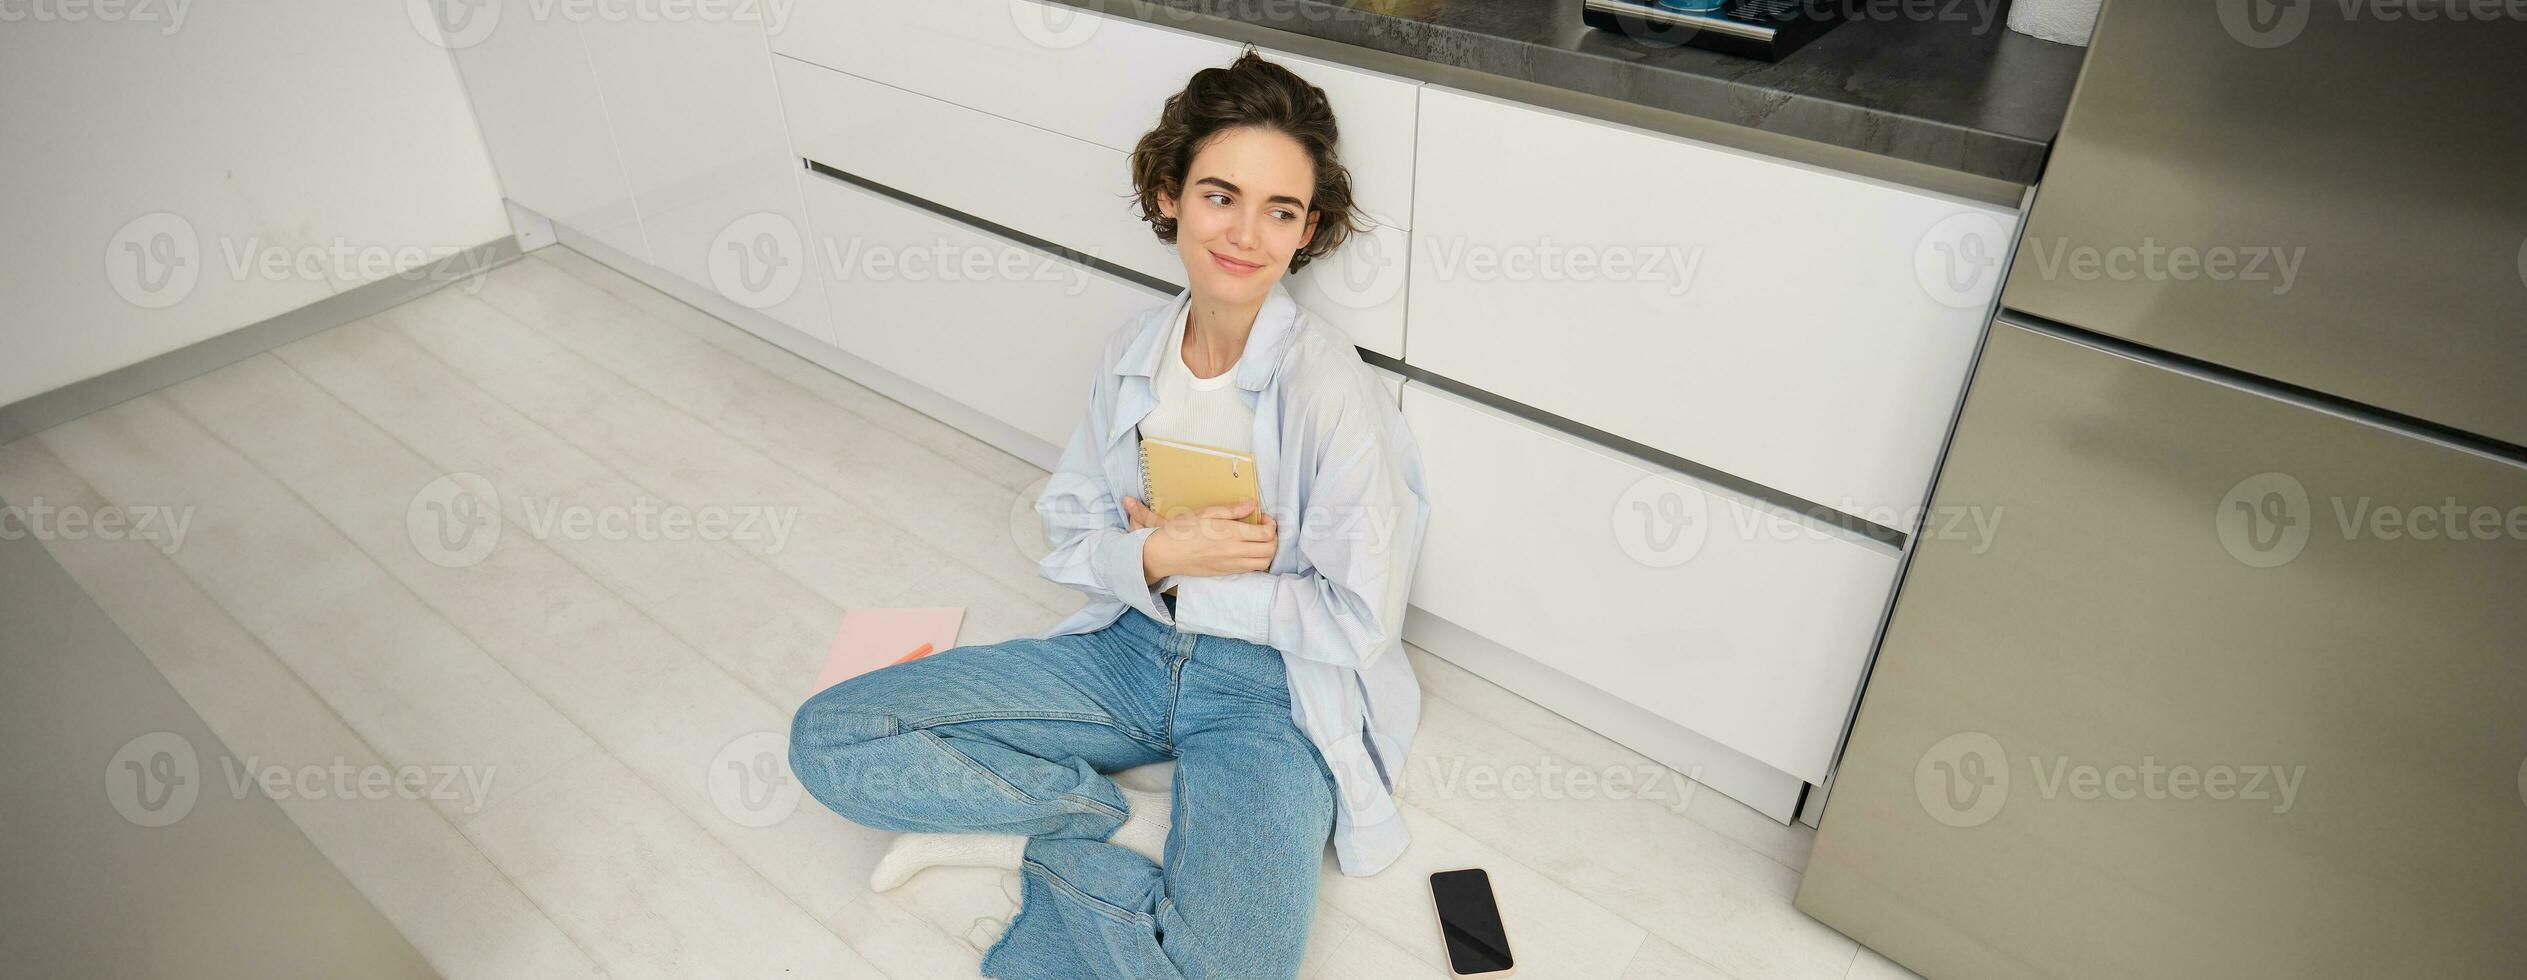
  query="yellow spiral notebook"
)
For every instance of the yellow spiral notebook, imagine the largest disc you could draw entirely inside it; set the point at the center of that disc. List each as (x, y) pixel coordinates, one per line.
(1181, 475)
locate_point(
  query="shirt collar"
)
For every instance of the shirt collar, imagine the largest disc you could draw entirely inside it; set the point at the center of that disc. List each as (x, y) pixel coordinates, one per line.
(1276, 324)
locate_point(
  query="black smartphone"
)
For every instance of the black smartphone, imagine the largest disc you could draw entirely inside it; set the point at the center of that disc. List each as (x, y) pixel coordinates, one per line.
(1469, 920)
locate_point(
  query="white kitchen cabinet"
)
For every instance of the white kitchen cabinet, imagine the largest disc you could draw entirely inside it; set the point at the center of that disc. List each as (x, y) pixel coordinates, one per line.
(1010, 331)
(535, 96)
(1698, 606)
(697, 121)
(1071, 192)
(1089, 76)
(1805, 330)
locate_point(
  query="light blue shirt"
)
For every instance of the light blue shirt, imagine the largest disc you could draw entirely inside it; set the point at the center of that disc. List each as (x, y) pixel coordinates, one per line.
(1346, 490)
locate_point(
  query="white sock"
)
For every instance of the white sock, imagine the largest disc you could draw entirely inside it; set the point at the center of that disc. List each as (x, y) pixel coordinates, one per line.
(912, 852)
(1144, 828)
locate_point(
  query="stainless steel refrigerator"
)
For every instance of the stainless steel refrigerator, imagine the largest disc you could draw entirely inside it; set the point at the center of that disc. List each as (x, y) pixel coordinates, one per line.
(2238, 685)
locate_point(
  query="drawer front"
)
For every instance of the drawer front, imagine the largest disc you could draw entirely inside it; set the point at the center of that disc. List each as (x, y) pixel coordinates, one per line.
(1088, 76)
(1070, 192)
(1746, 627)
(1792, 327)
(1010, 331)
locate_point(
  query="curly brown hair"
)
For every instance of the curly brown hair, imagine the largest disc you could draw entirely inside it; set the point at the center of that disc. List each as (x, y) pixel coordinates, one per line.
(1249, 92)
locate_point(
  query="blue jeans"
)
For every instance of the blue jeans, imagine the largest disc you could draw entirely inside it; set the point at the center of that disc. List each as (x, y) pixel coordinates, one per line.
(1014, 738)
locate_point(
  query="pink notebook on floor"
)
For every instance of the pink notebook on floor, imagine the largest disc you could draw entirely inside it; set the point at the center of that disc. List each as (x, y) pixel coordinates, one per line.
(874, 638)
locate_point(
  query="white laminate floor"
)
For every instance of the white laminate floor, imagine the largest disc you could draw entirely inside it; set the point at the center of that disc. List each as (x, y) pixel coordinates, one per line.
(620, 694)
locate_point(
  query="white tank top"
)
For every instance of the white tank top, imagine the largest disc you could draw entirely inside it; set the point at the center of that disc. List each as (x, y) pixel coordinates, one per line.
(1203, 411)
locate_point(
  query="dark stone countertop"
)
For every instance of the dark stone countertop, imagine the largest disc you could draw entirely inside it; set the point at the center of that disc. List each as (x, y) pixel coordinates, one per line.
(1956, 90)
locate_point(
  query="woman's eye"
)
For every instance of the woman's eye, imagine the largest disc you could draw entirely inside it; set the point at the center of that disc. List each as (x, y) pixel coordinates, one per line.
(1286, 215)
(1216, 197)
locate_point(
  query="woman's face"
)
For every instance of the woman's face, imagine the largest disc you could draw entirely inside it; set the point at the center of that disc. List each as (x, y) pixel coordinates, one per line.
(1243, 214)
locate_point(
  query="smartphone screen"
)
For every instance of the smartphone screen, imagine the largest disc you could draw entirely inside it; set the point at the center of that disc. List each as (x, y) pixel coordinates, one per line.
(1471, 921)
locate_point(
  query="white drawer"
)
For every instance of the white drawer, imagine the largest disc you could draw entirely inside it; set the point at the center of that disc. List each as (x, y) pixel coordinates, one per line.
(1070, 192)
(1746, 627)
(1018, 347)
(1088, 76)
(1804, 352)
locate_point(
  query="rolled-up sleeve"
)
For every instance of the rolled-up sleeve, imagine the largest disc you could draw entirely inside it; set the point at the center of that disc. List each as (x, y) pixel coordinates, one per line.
(1360, 534)
(1095, 549)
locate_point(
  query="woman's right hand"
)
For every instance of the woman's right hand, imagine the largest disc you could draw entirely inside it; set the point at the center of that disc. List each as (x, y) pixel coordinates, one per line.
(1215, 540)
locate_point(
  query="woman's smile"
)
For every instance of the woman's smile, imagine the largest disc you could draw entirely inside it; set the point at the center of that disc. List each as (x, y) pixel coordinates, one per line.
(1233, 266)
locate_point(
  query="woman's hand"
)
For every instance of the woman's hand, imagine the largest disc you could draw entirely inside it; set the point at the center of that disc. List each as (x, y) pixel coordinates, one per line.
(1212, 541)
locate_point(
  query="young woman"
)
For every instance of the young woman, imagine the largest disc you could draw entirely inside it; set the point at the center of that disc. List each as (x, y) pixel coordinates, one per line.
(1263, 657)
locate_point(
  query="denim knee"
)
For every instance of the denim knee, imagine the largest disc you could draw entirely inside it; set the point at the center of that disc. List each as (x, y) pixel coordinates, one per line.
(821, 736)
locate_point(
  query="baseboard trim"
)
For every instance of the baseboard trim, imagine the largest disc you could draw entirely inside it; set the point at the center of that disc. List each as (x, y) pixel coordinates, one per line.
(37, 413)
(1734, 774)
(820, 352)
